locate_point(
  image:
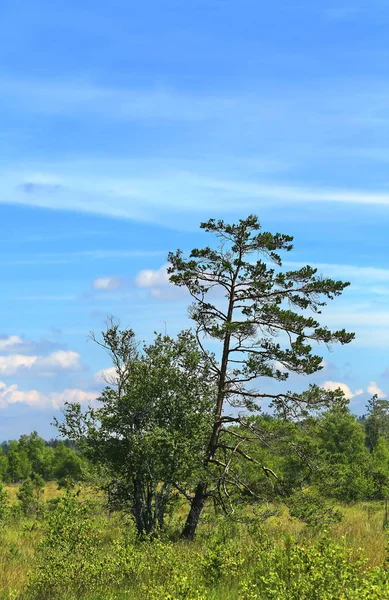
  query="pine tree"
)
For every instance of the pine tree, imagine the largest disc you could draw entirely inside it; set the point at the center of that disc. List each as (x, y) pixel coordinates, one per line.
(259, 313)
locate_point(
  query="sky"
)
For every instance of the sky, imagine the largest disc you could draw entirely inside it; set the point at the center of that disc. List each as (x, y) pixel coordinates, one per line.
(125, 124)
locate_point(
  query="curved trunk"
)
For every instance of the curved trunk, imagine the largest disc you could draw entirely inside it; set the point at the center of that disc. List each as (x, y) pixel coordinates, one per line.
(200, 496)
(196, 508)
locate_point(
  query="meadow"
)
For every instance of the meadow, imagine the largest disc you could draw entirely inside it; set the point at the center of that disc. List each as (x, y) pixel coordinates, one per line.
(73, 548)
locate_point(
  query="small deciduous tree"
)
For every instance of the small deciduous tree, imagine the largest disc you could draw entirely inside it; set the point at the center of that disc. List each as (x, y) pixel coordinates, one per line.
(377, 421)
(29, 494)
(259, 313)
(38, 453)
(345, 472)
(150, 431)
(19, 465)
(68, 466)
(4, 503)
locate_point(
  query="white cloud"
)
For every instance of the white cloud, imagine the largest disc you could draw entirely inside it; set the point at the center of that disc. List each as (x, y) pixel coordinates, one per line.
(106, 283)
(69, 97)
(62, 360)
(13, 395)
(157, 282)
(278, 366)
(10, 342)
(9, 365)
(366, 316)
(278, 109)
(290, 193)
(372, 338)
(262, 107)
(15, 344)
(334, 385)
(373, 389)
(108, 376)
(149, 278)
(42, 179)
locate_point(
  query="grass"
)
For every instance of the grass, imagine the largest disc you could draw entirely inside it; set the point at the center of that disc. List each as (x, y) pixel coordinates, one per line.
(50, 491)
(361, 527)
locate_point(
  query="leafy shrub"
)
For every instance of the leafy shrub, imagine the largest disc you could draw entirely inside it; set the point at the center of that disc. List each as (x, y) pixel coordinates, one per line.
(4, 503)
(323, 571)
(77, 559)
(29, 494)
(310, 507)
(180, 587)
(222, 557)
(69, 557)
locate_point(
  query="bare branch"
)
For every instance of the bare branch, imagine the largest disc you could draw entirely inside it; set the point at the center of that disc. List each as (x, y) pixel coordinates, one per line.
(182, 491)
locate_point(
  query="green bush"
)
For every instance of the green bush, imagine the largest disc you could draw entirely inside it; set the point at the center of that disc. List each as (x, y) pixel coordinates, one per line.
(69, 558)
(29, 495)
(321, 571)
(310, 507)
(4, 503)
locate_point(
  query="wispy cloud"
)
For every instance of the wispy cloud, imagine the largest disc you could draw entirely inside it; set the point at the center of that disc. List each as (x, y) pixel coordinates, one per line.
(157, 196)
(62, 258)
(352, 272)
(340, 100)
(90, 100)
(29, 187)
(377, 11)
(38, 183)
(16, 344)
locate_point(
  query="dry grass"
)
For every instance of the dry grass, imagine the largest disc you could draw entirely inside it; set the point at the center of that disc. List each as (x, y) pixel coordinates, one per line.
(17, 554)
(362, 527)
(50, 491)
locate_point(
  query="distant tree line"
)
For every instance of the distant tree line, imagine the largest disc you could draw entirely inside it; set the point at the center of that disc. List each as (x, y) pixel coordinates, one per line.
(31, 456)
(334, 455)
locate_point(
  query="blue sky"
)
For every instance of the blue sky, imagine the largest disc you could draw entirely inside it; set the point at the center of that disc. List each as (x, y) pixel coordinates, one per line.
(123, 125)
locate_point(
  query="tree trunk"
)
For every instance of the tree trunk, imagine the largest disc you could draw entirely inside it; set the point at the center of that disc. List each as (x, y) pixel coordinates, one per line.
(200, 496)
(138, 505)
(195, 511)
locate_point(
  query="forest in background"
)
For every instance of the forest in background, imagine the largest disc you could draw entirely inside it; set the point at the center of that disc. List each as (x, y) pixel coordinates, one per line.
(332, 456)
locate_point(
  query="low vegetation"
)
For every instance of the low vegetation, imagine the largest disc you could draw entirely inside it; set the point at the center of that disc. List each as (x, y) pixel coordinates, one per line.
(74, 548)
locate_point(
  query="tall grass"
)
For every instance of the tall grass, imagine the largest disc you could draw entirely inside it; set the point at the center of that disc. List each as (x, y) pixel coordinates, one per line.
(84, 553)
